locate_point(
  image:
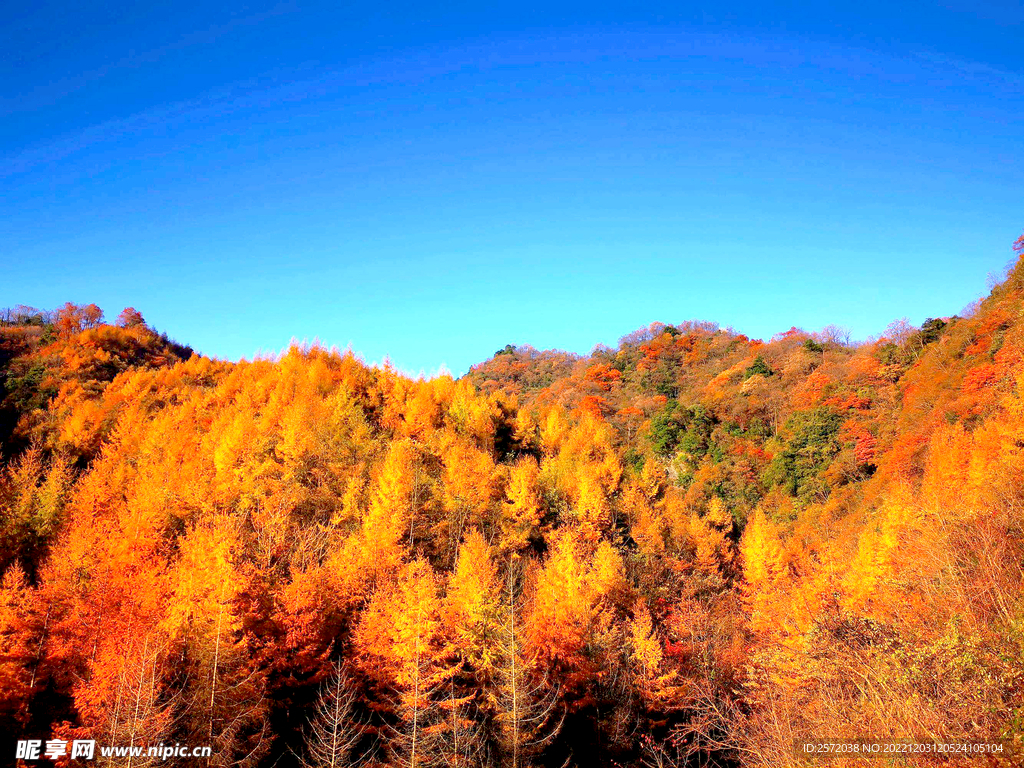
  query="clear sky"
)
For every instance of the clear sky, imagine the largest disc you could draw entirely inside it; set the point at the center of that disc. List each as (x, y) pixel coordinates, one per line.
(433, 183)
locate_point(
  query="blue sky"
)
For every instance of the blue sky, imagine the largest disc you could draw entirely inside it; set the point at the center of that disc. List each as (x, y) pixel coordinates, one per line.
(433, 183)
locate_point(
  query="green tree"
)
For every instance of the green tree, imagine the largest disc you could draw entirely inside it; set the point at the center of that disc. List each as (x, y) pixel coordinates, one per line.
(759, 366)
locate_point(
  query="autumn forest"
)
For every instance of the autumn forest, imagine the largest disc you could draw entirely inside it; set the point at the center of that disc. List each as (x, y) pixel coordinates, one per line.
(694, 549)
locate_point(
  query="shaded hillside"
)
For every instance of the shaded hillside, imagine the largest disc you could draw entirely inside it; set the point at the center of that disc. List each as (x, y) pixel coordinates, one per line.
(52, 361)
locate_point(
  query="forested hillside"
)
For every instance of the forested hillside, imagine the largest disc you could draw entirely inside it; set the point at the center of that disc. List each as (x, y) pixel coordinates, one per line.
(693, 549)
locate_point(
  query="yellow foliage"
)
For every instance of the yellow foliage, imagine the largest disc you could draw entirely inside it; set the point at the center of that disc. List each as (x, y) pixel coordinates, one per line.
(522, 509)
